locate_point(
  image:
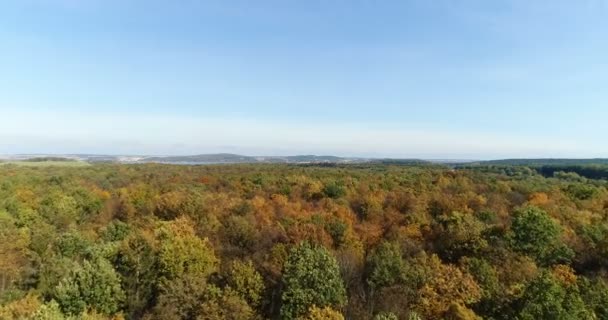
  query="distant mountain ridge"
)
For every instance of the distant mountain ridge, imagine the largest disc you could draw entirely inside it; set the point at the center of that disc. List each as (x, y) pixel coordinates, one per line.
(237, 158)
(202, 158)
(229, 158)
(215, 158)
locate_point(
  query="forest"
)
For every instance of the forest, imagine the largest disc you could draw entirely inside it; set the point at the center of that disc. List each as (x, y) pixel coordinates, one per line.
(307, 242)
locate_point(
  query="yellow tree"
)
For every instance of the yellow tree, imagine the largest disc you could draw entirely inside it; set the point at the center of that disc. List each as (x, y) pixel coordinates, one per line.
(447, 285)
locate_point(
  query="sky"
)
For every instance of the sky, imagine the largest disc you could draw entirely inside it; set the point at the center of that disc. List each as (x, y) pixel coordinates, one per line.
(432, 79)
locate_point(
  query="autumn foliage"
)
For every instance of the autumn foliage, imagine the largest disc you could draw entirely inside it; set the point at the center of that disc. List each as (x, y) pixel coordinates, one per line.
(301, 242)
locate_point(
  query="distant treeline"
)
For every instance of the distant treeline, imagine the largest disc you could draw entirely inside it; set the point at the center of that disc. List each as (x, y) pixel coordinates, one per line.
(543, 162)
(588, 168)
(590, 171)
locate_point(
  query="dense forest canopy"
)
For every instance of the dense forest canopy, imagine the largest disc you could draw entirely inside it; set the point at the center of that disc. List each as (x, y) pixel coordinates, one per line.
(263, 241)
(588, 168)
(546, 162)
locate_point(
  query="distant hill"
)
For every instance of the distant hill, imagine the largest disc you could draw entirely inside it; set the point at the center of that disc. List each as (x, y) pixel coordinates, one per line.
(236, 158)
(313, 158)
(297, 159)
(49, 159)
(202, 158)
(215, 158)
(227, 158)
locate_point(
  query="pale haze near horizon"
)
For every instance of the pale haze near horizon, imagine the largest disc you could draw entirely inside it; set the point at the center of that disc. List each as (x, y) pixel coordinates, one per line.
(411, 79)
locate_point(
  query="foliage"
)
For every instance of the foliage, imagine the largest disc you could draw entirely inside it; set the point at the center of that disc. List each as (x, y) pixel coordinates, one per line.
(327, 313)
(21, 308)
(448, 285)
(95, 285)
(246, 282)
(136, 263)
(272, 241)
(116, 231)
(461, 235)
(226, 307)
(594, 293)
(13, 251)
(546, 298)
(385, 266)
(48, 311)
(484, 274)
(334, 190)
(311, 278)
(182, 252)
(460, 312)
(386, 316)
(534, 233)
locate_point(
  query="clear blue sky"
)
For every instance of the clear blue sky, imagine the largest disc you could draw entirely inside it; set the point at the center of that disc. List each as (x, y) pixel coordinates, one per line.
(408, 78)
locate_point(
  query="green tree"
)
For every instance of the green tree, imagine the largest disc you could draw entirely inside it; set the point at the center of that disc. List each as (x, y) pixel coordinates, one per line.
(246, 282)
(385, 266)
(334, 190)
(535, 234)
(95, 285)
(48, 311)
(115, 231)
(337, 230)
(546, 298)
(182, 252)
(226, 306)
(185, 263)
(459, 235)
(137, 265)
(60, 209)
(386, 316)
(13, 251)
(240, 232)
(311, 276)
(485, 275)
(182, 297)
(595, 294)
(73, 245)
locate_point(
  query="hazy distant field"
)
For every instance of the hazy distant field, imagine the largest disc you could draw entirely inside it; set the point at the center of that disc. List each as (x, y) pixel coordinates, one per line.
(46, 163)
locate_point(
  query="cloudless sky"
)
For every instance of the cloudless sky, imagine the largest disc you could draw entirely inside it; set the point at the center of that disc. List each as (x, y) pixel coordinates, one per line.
(410, 78)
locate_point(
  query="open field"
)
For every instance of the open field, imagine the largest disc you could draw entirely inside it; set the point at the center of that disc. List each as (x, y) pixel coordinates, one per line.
(46, 163)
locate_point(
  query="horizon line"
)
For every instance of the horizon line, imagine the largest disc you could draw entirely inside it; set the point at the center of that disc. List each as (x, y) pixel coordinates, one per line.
(3, 155)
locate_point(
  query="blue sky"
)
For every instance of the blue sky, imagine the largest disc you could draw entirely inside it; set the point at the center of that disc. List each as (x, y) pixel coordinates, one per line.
(410, 78)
